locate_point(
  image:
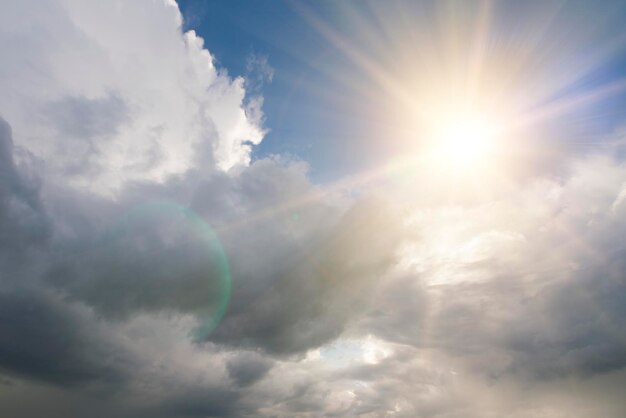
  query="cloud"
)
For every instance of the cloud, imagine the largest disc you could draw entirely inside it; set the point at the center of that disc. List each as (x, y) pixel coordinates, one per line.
(89, 68)
(22, 218)
(258, 72)
(74, 352)
(247, 368)
(530, 286)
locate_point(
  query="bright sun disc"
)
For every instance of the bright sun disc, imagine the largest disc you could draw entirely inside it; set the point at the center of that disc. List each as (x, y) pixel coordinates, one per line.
(463, 139)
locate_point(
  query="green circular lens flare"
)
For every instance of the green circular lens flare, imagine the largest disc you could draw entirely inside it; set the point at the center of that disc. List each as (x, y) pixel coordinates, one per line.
(174, 260)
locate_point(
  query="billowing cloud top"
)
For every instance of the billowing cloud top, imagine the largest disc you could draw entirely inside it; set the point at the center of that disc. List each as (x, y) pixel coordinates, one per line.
(106, 95)
(148, 268)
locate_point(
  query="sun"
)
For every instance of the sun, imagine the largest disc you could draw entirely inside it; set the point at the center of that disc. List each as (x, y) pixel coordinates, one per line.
(465, 145)
(463, 138)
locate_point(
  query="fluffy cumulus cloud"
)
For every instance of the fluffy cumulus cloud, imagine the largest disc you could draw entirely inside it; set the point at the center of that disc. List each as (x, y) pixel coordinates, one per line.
(149, 269)
(110, 93)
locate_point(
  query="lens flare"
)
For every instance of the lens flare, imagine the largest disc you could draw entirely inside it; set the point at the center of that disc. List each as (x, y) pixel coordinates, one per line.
(164, 246)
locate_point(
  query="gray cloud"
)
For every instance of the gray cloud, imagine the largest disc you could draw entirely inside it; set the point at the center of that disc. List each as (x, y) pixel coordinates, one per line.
(315, 290)
(46, 340)
(85, 119)
(85, 124)
(247, 368)
(22, 219)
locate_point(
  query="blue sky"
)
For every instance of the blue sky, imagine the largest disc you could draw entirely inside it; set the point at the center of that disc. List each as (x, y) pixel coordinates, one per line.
(302, 118)
(328, 129)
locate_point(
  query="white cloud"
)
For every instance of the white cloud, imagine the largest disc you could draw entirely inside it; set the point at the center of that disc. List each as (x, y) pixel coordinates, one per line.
(110, 93)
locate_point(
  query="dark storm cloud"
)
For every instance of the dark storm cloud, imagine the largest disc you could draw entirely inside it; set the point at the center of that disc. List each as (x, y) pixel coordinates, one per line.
(154, 257)
(22, 220)
(200, 402)
(139, 254)
(41, 337)
(247, 368)
(44, 339)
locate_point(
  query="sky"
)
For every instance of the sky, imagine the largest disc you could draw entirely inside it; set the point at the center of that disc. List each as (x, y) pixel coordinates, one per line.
(312, 209)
